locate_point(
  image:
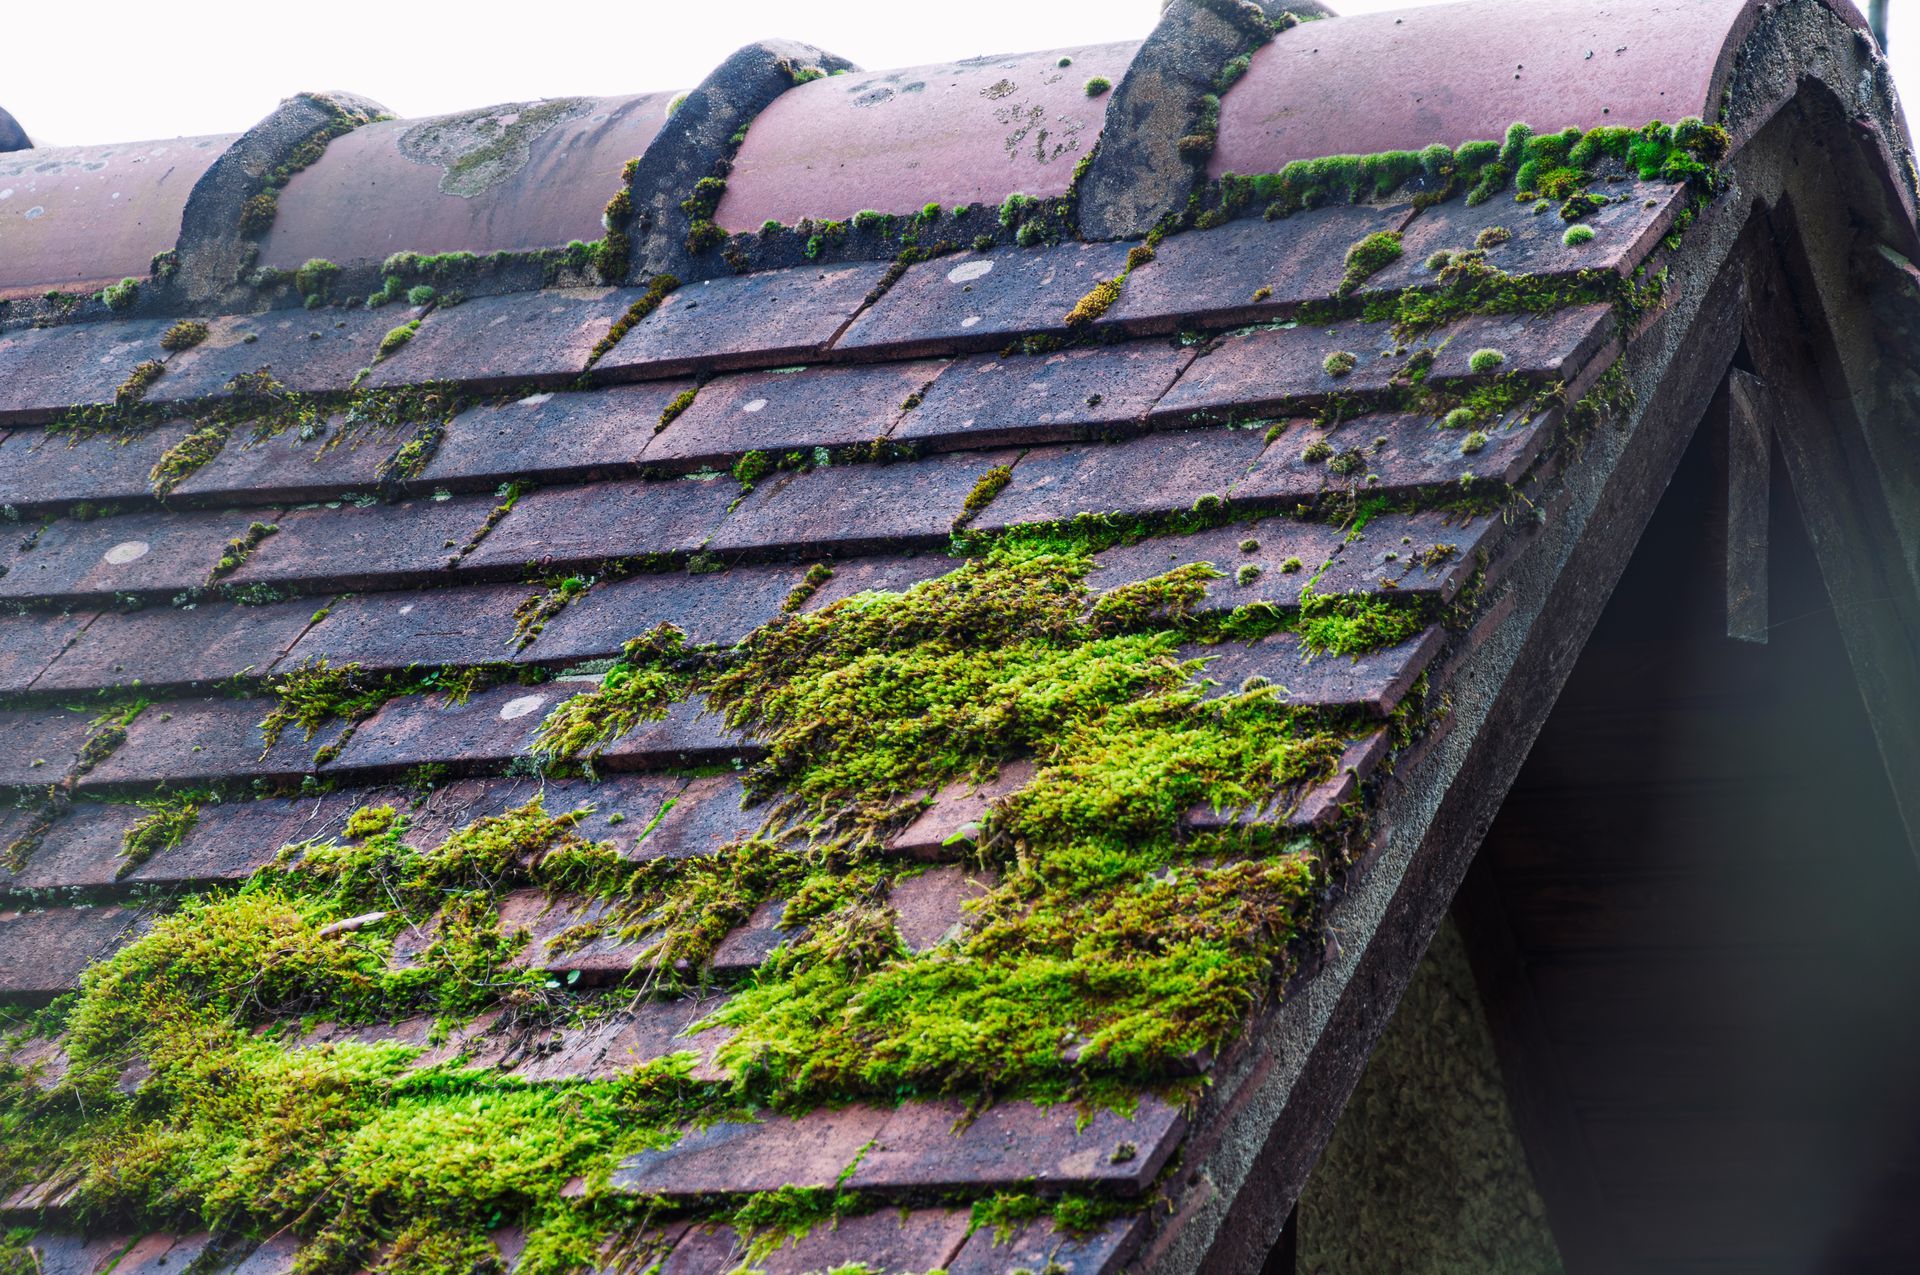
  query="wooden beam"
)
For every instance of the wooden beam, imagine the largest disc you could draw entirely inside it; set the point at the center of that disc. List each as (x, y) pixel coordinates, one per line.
(1744, 443)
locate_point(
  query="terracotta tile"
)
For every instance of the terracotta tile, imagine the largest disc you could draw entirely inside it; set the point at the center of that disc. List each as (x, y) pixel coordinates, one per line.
(288, 468)
(1624, 232)
(749, 945)
(1373, 682)
(688, 735)
(43, 953)
(1397, 456)
(552, 436)
(994, 400)
(40, 745)
(45, 370)
(758, 320)
(163, 1254)
(655, 1028)
(719, 608)
(55, 1253)
(887, 1242)
(1304, 805)
(1037, 1246)
(883, 575)
(171, 648)
(1209, 277)
(622, 807)
(1278, 370)
(1421, 554)
(786, 411)
(81, 848)
(185, 742)
(957, 812)
(306, 351)
(559, 527)
(490, 727)
(1279, 543)
(275, 1257)
(858, 508)
(153, 555)
(1160, 473)
(339, 546)
(230, 840)
(30, 641)
(42, 471)
(518, 338)
(707, 815)
(978, 301)
(422, 627)
(729, 1157)
(931, 907)
(929, 1146)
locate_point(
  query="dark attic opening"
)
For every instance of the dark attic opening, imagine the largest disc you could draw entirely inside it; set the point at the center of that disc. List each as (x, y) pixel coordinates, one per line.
(1691, 941)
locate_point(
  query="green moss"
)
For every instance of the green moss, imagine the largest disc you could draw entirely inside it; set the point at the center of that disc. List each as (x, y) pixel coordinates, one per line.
(1339, 363)
(659, 288)
(1458, 418)
(989, 485)
(121, 296)
(183, 335)
(1476, 441)
(1491, 237)
(1485, 360)
(1097, 85)
(751, 468)
(1369, 257)
(671, 412)
(257, 214)
(138, 381)
(397, 337)
(315, 280)
(1577, 235)
(184, 459)
(165, 825)
(421, 294)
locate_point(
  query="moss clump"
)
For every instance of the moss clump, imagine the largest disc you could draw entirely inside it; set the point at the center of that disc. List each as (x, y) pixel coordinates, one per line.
(257, 214)
(1476, 441)
(1247, 573)
(1458, 418)
(1369, 257)
(1339, 363)
(989, 485)
(1485, 360)
(1491, 237)
(138, 382)
(164, 826)
(679, 403)
(1096, 303)
(1316, 451)
(703, 234)
(397, 337)
(1097, 85)
(240, 548)
(1290, 567)
(183, 335)
(1577, 235)
(421, 294)
(659, 288)
(122, 296)
(315, 281)
(751, 468)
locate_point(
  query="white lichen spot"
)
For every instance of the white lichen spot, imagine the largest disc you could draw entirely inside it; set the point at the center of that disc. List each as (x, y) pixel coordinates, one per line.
(520, 706)
(968, 271)
(970, 320)
(124, 552)
(753, 406)
(534, 400)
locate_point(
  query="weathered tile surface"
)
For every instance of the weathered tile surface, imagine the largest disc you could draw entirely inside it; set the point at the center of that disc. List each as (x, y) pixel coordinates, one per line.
(81, 848)
(30, 641)
(1160, 473)
(1389, 456)
(230, 840)
(887, 1242)
(758, 320)
(1624, 232)
(707, 815)
(811, 1151)
(44, 370)
(1036, 1246)
(38, 746)
(789, 411)
(956, 813)
(885, 575)
(977, 301)
(559, 527)
(168, 648)
(147, 554)
(858, 508)
(719, 608)
(43, 953)
(41, 470)
(306, 351)
(288, 468)
(395, 630)
(1374, 682)
(344, 546)
(994, 400)
(518, 338)
(489, 727)
(187, 742)
(618, 809)
(552, 436)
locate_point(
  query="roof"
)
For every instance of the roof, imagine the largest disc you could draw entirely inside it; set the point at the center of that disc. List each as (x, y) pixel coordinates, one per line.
(846, 667)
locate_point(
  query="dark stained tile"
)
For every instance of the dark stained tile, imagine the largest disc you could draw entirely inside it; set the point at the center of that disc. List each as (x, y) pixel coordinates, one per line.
(560, 527)
(978, 301)
(289, 468)
(1209, 277)
(719, 608)
(1624, 232)
(552, 436)
(147, 554)
(785, 411)
(29, 641)
(706, 816)
(1390, 456)
(726, 1157)
(163, 1254)
(170, 648)
(44, 370)
(930, 907)
(274, 1257)
(1160, 473)
(230, 840)
(488, 728)
(185, 742)
(518, 338)
(1279, 370)
(81, 848)
(1374, 682)
(43, 471)
(342, 546)
(930, 1146)
(756, 320)
(43, 953)
(38, 746)
(858, 508)
(55, 1253)
(883, 575)
(425, 627)
(1036, 1246)
(886, 1242)
(306, 351)
(994, 400)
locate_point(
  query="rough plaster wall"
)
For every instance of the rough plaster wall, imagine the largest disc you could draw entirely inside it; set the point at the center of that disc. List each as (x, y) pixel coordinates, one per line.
(1424, 1174)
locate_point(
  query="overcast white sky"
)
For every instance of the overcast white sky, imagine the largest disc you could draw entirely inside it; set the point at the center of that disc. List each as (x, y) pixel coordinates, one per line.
(88, 71)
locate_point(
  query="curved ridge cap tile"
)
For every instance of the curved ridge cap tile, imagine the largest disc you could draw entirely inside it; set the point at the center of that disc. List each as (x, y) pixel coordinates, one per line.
(503, 178)
(80, 217)
(697, 141)
(1456, 73)
(12, 136)
(972, 131)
